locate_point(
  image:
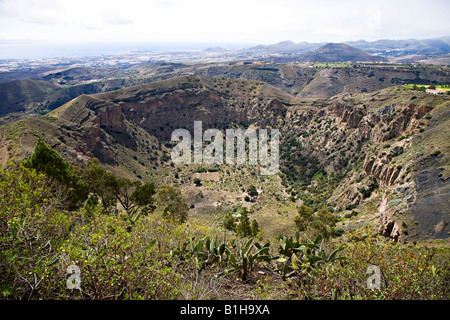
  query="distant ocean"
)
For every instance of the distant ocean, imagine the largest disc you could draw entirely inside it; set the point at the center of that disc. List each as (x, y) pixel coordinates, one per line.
(32, 50)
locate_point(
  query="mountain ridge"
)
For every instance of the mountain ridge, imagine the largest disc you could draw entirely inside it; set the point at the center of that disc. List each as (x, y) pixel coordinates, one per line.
(439, 45)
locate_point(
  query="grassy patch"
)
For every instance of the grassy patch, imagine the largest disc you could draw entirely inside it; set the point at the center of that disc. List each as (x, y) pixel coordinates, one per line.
(332, 65)
(444, 87)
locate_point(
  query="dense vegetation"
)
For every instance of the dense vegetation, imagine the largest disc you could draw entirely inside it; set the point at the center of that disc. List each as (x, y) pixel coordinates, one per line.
(72, 233)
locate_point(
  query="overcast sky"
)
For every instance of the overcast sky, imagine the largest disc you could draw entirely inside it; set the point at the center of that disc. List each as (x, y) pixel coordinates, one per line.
(232, 21)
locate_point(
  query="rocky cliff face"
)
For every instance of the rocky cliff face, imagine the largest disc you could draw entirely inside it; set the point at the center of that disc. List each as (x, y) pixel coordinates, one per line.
(415, 197)
(112, 119)
(380, 169)
(406, 187)
(382, 148)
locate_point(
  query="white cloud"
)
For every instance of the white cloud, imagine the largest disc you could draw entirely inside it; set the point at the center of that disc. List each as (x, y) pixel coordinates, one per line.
(248, 21)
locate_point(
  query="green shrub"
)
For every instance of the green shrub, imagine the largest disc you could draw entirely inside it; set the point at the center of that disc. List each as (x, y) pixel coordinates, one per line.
(172, 203)
(117, 264)
(406, 273)
(229, 221)
(31, 230)
(320, 223)
(242, 259)
(46, 160)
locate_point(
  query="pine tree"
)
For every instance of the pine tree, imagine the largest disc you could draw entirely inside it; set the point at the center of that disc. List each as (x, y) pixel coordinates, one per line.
(255, 228)
(244, 228)
(252, 192)
(46, 160)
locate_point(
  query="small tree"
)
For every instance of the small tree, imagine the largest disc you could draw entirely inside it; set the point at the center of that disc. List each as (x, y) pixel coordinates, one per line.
(252, 192)
(197, 182)
(304, 217)
(143, 197)
(229, 222)
(244, 228)
(46, 160)
(100, 182)
(123, 190)
(255, 228)
(324, 223)
(321, 223)
(172, 202)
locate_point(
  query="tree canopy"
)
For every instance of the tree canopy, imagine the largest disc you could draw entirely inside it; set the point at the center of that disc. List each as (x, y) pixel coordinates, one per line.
(46, 160)
(172, 203)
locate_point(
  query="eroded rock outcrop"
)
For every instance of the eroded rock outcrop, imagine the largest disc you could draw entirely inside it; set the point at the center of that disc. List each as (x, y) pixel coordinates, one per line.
(352, 116)
(380, 169)
(388, 226)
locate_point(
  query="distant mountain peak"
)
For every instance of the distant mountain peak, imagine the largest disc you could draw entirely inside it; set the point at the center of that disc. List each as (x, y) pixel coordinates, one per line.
(335, 52)
(215, 49)
(285, 43)
(336, 45)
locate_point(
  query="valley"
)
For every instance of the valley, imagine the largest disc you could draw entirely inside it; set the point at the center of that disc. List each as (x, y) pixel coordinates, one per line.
(330, 147)
(363, 147)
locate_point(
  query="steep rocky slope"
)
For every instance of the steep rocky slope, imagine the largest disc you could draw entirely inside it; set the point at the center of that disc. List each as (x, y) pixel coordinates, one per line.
(379, 159)
(410, 163)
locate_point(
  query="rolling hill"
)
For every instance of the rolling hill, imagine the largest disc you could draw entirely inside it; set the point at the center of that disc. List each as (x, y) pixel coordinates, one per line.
(23, 95)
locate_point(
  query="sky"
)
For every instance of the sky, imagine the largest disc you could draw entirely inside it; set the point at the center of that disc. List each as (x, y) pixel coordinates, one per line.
(243, 22)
